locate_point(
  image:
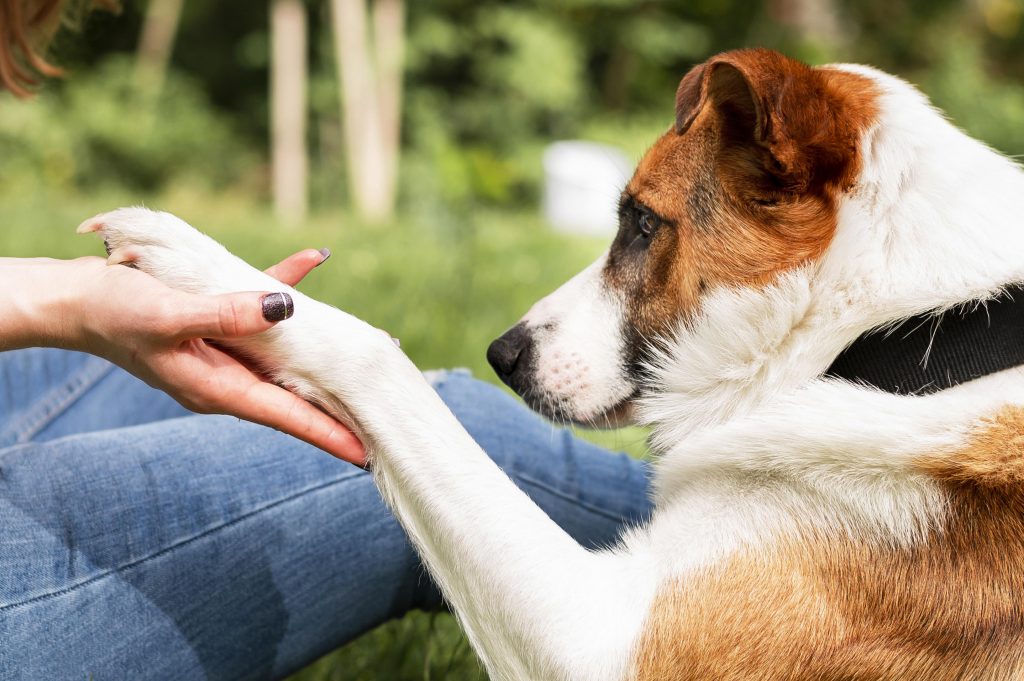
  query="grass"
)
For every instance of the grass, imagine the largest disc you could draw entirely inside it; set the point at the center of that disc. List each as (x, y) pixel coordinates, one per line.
(446, 286)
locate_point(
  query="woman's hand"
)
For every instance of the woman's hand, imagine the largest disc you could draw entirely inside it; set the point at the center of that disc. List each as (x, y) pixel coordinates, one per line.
(159, 334)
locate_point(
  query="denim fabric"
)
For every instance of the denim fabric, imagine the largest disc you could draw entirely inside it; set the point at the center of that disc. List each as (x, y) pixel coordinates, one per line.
(140, 542)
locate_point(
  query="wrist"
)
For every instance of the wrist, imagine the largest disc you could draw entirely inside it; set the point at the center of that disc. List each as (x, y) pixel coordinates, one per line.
(42, 302)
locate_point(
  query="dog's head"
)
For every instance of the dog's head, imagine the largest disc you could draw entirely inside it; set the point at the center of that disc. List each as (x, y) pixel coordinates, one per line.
(743, 187)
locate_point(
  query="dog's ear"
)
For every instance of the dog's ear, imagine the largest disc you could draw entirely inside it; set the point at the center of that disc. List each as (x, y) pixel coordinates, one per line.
(689, 98)
(773, 108)
(725, 86)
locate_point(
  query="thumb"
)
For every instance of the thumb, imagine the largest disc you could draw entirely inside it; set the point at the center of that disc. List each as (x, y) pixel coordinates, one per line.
(232, 315)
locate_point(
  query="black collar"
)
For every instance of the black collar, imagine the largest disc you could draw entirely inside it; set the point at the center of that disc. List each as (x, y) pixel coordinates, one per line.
(930, 352)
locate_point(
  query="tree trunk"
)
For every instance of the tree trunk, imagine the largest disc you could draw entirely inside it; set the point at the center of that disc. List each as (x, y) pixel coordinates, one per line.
(288, 109)
(371, 82)
(815, 20)
(389, 44)
(156, 43)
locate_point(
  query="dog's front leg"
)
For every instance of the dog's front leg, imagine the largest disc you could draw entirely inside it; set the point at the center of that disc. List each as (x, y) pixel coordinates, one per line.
(535, 604)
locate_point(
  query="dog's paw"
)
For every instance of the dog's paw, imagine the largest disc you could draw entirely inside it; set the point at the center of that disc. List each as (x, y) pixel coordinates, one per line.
(131, 234)
(169, 249)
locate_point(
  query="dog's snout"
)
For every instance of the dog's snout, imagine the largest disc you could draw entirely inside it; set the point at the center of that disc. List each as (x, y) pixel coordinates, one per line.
(509, 353)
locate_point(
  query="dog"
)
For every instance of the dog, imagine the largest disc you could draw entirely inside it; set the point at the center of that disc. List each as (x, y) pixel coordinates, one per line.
(806, 526)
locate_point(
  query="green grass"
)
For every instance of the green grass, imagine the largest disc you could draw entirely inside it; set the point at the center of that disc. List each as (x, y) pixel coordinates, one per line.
(420, 646)
(445, 286)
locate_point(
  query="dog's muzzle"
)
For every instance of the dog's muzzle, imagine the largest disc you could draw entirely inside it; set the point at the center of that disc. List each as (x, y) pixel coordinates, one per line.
(511, 356)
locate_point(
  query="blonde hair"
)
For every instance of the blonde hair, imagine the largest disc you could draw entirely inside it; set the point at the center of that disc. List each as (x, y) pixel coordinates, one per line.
(26, 27)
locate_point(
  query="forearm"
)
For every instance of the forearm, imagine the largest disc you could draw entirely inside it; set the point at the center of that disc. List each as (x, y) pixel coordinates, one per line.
(34, 300)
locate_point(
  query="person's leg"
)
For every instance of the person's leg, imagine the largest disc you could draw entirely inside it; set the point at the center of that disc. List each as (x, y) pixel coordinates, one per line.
(203, 546)
(47, 393)
(199, 547)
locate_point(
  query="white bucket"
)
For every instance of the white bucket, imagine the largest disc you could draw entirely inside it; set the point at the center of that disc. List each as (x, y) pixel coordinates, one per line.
(582, 183)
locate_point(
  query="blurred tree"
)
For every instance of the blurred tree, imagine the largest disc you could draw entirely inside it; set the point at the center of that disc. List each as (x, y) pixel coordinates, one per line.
(490, 82)
(288, 109)
(369, 57)
(157, 42)
(816, 21)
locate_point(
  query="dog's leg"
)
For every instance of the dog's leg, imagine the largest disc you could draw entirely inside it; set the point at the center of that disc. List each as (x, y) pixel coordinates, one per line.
(535, 604)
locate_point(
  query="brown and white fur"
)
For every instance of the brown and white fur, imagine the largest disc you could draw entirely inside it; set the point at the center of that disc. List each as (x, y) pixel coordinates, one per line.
(805, 528)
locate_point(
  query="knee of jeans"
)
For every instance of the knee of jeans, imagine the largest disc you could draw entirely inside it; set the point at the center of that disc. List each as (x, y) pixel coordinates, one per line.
(460, 390)
(502, 425)
(465, 394)
(438, 377)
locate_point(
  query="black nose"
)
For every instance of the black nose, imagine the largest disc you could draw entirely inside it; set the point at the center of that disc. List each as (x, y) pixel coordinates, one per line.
(509, 355)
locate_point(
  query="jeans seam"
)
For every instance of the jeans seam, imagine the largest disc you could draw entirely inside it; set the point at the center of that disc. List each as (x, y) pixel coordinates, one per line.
(59, 399)
(567, 497)
(179, 544)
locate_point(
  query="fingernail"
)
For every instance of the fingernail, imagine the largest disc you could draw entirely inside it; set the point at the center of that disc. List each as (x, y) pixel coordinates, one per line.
(326, 252)
(277, 306)
(397, 342)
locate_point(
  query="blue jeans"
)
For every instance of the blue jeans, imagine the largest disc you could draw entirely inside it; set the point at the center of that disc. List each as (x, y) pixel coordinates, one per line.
(140, 541)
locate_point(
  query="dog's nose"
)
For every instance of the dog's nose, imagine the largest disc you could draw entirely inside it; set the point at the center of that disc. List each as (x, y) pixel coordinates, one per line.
(509, 352)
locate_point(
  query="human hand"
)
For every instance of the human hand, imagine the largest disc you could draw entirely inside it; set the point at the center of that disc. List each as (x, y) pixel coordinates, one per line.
(164, 336)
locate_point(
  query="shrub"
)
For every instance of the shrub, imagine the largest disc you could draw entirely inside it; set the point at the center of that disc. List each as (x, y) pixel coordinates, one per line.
(102, 128)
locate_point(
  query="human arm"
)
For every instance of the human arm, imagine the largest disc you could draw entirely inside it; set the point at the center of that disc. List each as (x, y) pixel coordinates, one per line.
(158, 334)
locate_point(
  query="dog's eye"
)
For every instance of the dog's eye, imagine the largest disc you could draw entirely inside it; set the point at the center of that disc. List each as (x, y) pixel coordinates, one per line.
(648, 223)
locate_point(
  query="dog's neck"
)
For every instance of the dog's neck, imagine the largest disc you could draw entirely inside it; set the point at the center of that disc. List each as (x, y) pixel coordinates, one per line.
(931, 352)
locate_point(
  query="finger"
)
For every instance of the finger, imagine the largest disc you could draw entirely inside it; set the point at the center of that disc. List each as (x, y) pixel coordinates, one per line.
(295, 267)
(216, 382)
(232, 315)
(272, 406)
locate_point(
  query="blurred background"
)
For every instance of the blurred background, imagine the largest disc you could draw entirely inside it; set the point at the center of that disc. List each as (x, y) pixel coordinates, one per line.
(417, 140)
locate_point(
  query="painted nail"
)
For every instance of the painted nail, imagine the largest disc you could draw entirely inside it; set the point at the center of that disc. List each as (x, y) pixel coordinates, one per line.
(326, 252)
(277, 306)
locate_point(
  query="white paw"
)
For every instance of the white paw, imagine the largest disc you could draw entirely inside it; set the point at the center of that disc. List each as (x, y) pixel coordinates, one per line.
(295, 352)
(171, 250)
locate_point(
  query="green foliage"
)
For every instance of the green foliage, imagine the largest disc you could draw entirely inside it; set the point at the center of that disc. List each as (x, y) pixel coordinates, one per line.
(489, 84)
(537, 62)
(104, 129)
(419, 647)
(963, 86)
(479, 91)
